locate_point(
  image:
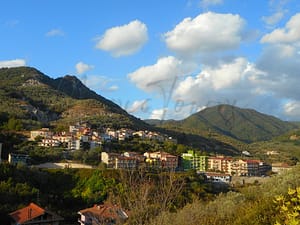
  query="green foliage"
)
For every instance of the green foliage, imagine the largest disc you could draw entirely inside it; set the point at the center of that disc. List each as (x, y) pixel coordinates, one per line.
(288, 207)
(94, 188)
(13, 124)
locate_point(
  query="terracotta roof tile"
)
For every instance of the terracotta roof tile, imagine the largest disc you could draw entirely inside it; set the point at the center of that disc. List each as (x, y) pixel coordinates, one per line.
(105, 211)
(27, 213)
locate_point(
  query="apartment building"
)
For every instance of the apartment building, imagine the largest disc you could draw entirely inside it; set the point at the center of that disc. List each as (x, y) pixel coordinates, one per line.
(219, 163)
(193, 160)
(167, 160)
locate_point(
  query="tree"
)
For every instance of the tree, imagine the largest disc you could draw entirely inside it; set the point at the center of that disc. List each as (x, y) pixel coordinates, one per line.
(13, 124)
(146, 194)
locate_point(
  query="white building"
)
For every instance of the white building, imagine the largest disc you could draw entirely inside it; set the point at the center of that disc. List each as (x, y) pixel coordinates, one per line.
(49, 142)
(74, 145)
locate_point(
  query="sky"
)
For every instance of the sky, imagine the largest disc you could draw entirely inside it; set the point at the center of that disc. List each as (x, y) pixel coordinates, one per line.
(164, 59)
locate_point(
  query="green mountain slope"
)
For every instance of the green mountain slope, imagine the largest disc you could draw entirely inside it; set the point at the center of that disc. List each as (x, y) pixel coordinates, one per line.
(28, 94)
(246, 125)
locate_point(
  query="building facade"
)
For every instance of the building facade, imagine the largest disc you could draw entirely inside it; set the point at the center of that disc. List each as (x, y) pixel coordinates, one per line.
(167, 161)
(219, 164)
(192, 160)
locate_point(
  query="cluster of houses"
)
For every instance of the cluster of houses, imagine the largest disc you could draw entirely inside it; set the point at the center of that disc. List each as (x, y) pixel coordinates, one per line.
(106, 214)
(187, 161)
(81, 134)
(134, 160)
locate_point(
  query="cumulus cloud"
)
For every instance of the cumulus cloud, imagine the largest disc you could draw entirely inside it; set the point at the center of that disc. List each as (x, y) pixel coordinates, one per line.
(124, 40)
(226, 74)
(160, 75)
(226, 82)
(55, 32)
(12, 63)
(289, 34)
(206, 33)
(82, 67)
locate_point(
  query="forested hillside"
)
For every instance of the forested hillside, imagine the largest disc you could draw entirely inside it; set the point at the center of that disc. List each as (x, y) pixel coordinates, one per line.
(245, 125)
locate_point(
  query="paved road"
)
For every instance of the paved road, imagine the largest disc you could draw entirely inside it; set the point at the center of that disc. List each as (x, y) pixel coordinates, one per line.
(50, 165)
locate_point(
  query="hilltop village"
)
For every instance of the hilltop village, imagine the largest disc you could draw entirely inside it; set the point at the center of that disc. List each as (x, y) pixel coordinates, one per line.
(82, 136)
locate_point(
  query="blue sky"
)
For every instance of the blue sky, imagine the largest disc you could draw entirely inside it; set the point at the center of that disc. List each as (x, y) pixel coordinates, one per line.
(164, 59)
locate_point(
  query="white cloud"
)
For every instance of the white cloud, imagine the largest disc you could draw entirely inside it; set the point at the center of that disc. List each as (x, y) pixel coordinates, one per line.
(124, 40)
(177, 111)
(292, 109)
(226, 74)
(158, 114)
(289, 34)
(139, 105)
(280, 62)
(206, 33)
(55, 32)
(113, 88)
(207, 3)
(12, 63)
(273, 19)
(158, 76)
(82, 67)
(226, 82)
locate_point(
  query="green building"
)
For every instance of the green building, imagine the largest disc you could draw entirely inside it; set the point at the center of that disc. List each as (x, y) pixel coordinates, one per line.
(192, 160)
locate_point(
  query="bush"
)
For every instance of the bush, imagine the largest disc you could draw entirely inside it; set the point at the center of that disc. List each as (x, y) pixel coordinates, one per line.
(288, 207)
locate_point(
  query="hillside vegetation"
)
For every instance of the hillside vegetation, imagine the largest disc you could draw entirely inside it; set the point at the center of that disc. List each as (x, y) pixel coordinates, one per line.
(246, 125)
(249, 205)
(39, 100)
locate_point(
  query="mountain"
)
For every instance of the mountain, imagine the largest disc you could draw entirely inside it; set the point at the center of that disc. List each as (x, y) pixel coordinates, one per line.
(246, 125)
(37, 99)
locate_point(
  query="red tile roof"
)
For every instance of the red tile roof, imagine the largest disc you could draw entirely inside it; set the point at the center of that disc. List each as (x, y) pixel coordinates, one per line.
(105, 211)
(28, 213)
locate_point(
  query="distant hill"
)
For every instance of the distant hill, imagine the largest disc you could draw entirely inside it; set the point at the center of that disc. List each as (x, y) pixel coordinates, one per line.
(28, 94)
(245, 125)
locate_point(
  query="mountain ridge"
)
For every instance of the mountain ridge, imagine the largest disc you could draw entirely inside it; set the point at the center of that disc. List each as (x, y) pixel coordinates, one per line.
(246, 125)
(27, 93)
